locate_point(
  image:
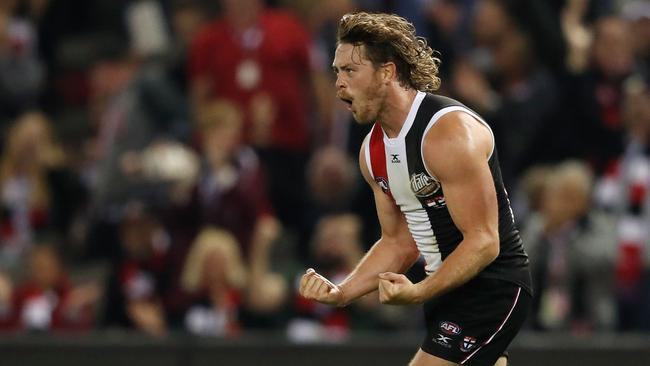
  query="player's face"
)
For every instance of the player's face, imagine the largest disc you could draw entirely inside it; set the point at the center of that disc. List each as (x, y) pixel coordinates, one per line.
(358, 83)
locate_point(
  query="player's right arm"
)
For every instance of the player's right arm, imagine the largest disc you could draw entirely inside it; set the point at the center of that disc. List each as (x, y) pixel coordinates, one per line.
(394, 252)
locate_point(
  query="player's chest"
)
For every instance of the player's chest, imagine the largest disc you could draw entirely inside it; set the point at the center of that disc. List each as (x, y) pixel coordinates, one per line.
(410, 185)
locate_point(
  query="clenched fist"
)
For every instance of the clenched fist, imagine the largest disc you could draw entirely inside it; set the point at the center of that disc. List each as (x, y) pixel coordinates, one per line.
(314, 286)
(396, 289)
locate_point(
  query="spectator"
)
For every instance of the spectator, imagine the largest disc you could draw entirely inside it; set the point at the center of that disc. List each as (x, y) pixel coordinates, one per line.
(449, 25)
(213, 277)
(623, 191)
(572, 251)
(220, 292)
(516, 94)
(186, 20)
(21, 73)
(267, 291)
(40, 195)
(334, 188)
(48, 301)
(140, 278)
(259, 59)
(596, 92)
(531, 195)
(70, 35)
(133, 105)
(321, 19)
(332, 179)
(231, 191)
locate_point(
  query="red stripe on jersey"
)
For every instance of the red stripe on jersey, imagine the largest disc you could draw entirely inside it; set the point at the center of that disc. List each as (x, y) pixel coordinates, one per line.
(378, 158)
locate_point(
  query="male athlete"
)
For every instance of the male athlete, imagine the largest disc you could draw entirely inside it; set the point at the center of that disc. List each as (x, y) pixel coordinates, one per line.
(432, 165)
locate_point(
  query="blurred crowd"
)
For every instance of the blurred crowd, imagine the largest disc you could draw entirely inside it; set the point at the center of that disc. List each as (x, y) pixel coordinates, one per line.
(175, 165)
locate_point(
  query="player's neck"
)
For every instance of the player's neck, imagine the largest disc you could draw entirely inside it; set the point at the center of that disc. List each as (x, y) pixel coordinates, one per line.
(396, 109)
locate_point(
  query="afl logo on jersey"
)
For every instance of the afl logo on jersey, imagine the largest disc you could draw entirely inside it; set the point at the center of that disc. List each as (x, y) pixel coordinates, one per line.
(383, 183)
(423, 185)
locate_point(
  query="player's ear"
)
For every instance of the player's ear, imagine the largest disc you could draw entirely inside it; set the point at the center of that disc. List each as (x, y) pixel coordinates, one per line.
(388, 71)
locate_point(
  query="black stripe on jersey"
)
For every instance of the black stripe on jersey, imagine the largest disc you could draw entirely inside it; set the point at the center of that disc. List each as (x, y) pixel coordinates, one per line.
(447, 234)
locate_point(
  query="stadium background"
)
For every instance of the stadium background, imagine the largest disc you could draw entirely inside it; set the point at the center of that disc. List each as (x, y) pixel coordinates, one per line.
(170, 168)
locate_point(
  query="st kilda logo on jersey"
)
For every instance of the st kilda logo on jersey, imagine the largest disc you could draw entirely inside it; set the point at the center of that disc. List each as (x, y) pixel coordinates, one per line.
(467, 344)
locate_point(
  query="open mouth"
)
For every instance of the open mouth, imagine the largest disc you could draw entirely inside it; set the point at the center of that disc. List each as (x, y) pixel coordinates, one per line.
(348, 102)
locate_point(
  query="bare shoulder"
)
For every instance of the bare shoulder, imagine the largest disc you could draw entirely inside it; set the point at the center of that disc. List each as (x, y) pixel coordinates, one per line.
(454, 142)
(363, 165)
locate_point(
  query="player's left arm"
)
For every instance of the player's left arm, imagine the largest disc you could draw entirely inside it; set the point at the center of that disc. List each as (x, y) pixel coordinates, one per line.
(456, 151)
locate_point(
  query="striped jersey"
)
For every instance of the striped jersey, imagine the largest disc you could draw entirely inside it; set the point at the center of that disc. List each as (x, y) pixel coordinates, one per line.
(397, 166)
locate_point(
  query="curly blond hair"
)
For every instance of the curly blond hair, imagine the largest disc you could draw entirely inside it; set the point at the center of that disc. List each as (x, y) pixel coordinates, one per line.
(391, 38)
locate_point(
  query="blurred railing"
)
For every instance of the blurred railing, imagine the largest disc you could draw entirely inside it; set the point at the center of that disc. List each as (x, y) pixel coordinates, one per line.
(122, 349)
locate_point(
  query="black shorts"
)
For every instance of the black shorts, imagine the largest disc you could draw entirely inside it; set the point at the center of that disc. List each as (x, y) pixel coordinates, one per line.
(474, 324)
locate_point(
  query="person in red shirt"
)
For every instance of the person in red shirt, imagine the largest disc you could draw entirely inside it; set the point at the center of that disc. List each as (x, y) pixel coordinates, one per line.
(259, 59)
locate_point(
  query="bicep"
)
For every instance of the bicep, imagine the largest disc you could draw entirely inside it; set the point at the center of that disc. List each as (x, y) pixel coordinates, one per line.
(471, 199)
(459, 159)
